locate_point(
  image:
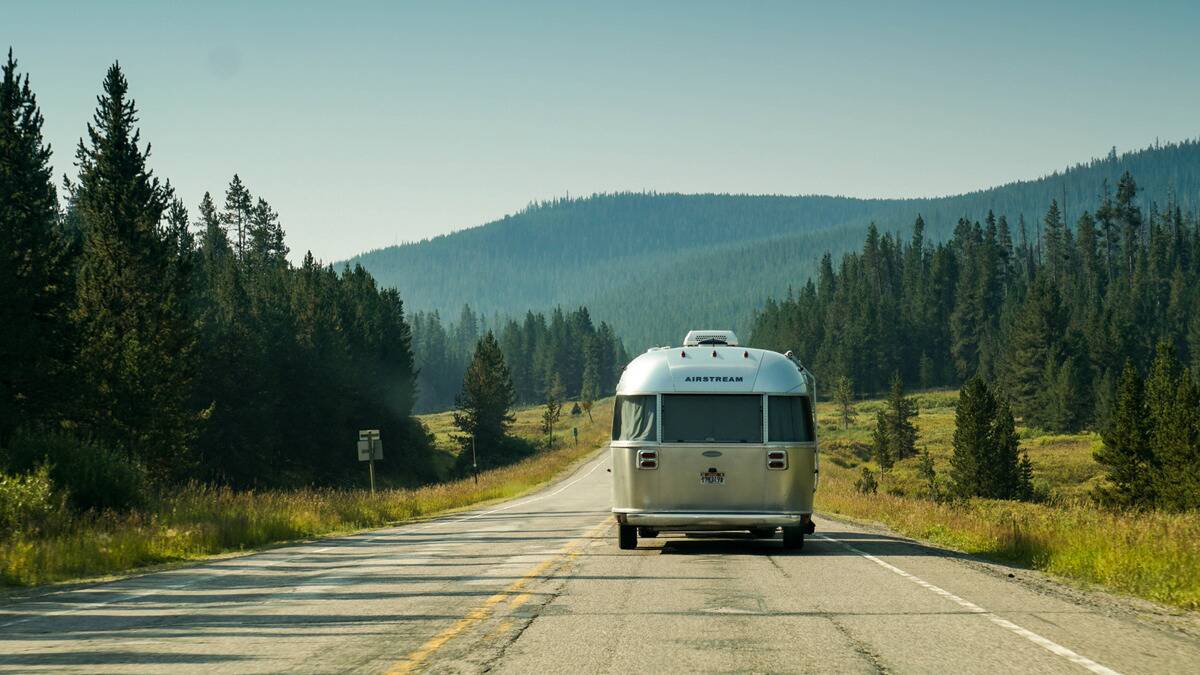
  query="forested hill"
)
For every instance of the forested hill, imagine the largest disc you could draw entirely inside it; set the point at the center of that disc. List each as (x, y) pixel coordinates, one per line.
(655, 265)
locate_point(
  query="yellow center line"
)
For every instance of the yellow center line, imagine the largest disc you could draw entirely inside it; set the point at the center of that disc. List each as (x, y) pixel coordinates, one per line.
(415, 658)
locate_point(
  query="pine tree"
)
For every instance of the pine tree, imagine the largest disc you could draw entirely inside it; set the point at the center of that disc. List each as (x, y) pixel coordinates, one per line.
(1055, 240)
(881, 442)
(1034, 349)
(1126, 452)
(1005, 457)
(1064, 400)
(1177, 454)
(1128, 219)
(589, 389)
(969, 315)
(843, 397)
(1172, 432)
(972, 421)
(928, 473)
(986, 459)
(266, 246)
(136, 346)
(486, 398)
(1025, 479)
(902, 434)
(239, 205)
(214, 239)
(550, 417)
(35, 268)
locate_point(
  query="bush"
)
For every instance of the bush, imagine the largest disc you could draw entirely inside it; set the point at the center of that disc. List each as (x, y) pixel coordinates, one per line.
(27, 503)
(867, 484)
(93, 476)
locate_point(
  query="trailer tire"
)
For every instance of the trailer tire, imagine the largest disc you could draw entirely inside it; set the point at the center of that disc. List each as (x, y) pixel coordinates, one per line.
(793, 538)
(626, 537)
(763, 533)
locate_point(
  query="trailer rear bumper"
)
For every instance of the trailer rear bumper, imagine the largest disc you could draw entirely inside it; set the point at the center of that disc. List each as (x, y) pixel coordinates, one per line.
(710, 520)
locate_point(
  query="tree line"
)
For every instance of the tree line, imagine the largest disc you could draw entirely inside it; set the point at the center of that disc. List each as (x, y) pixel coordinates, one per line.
(146, 344)
(564, 355)
(1049, 314)
(174, 348)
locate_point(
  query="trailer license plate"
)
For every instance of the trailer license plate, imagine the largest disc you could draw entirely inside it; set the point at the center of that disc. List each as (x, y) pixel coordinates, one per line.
(712, 478)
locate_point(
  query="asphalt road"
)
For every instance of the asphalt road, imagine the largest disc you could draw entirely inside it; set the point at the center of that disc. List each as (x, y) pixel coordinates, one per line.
(538, 585)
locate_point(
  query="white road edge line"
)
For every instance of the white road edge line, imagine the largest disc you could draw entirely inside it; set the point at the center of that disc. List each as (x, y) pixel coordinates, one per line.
(1033, 637)
(142, 594)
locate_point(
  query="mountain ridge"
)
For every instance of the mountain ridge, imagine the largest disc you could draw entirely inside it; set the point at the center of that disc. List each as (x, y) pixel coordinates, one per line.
(698, 251)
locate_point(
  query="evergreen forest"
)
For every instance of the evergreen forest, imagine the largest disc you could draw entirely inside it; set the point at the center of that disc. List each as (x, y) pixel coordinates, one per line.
(1063, 319)
(146, 343)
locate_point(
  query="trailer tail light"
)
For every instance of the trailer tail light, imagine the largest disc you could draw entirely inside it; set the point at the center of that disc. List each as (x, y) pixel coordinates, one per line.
(777, 460)
(647, 459)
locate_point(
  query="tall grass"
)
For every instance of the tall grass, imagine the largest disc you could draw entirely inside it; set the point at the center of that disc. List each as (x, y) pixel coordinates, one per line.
(1150, 554)
(199, 521)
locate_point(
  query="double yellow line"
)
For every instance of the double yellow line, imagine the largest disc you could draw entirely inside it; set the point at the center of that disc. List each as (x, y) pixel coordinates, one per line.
(514, 591)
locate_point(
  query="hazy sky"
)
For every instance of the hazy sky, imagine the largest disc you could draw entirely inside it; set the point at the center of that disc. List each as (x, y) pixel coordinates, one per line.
(370, 123)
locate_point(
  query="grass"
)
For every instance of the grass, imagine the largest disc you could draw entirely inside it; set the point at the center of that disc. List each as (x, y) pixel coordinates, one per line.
(1151, 554)
(201, 521)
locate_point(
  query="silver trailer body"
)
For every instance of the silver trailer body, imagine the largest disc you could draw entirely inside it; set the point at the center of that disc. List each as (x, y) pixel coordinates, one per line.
(714, 436)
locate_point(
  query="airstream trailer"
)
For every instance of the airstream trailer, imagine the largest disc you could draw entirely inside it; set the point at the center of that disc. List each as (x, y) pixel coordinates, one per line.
(712, 436)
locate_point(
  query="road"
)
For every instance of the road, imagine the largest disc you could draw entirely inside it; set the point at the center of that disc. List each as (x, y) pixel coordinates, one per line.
(538, 585)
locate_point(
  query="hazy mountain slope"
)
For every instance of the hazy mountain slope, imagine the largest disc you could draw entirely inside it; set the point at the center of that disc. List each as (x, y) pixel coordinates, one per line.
(655, 265)
(561, 251)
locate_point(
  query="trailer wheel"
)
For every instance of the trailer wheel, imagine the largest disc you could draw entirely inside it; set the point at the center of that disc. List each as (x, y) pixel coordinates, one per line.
(647, 533)
(763, 533)
(793, 538)
(626, 537)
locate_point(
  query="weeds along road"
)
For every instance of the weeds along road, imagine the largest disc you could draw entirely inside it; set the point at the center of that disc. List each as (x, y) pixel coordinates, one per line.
(538, 585)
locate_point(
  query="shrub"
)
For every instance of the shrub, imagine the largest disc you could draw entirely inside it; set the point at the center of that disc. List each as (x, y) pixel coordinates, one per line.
(867, 483)
(93, 476)
(27, 502)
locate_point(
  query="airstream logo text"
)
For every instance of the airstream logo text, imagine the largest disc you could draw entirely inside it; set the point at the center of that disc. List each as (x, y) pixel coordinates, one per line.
(712, 378)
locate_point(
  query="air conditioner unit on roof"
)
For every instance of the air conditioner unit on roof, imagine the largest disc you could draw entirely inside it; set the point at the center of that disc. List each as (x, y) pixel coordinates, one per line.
(696, 338)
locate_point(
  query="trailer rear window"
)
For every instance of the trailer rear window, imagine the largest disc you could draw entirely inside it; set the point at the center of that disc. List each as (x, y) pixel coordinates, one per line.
(712, 418)
(789, 418)
(634, 418)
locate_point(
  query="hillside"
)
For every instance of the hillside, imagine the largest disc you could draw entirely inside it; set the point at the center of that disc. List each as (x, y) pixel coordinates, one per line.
(655, 265)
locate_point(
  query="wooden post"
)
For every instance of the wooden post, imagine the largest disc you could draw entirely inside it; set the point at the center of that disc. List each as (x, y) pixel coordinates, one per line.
(371, 464)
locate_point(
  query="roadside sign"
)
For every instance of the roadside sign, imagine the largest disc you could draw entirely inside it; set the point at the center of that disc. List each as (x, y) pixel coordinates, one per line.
(370, 448)
(370, 445)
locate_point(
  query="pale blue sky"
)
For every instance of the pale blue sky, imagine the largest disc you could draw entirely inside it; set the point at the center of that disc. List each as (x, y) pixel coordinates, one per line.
(367, 123)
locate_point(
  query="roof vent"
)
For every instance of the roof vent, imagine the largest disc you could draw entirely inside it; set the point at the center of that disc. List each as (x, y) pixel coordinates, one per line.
(696, 338)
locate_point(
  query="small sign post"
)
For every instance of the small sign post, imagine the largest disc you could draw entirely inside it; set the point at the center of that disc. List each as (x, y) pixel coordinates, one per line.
(370, 448)
(474, 460)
